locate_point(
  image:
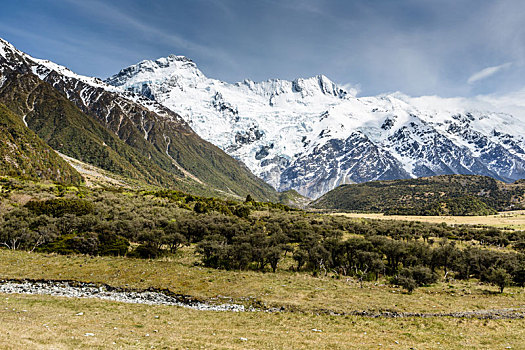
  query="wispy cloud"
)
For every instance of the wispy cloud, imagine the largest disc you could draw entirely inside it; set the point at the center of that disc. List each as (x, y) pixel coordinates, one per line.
(351, 88)
(418, 47)
(116, 15)
(487, 72)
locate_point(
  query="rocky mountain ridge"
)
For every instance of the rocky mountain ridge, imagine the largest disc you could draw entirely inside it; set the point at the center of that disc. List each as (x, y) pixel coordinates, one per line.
(125, 132)
(312, 135)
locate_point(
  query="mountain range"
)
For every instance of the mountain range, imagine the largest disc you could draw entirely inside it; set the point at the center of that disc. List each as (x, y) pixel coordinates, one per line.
(312, 135)
(118, 131)
(167, 124)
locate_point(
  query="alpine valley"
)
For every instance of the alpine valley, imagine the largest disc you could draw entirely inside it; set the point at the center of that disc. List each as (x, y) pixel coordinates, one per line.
(312, 135)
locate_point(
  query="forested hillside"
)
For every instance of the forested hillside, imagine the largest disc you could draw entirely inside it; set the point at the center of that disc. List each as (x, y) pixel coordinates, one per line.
(437, 195)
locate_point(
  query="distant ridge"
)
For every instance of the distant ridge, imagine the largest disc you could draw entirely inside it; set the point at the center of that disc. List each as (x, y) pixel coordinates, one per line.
(437, 195)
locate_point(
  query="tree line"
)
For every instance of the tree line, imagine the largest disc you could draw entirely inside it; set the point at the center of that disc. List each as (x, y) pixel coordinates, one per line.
(253, 235)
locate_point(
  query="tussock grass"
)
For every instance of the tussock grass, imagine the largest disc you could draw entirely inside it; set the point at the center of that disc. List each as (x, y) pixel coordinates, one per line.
(512, 220)
(284, 288)
(42, 322)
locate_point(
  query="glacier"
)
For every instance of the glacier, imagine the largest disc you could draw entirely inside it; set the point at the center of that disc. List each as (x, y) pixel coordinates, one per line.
(312, 135)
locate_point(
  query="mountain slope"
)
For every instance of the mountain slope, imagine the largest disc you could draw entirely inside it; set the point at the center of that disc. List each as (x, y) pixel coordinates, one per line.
(312, 135)
(24, 154)
(120, 132)
(437, 195)
(66, 129)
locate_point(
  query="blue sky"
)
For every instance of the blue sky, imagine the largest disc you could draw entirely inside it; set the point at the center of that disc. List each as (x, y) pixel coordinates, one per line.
(419, 47)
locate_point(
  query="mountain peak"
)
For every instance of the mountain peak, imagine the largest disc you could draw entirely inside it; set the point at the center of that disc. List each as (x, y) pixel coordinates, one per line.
(4, 43)
(173, 58)
(332, 137)
(7, 47)
(320, 82)
(164, 62)
(155, 69)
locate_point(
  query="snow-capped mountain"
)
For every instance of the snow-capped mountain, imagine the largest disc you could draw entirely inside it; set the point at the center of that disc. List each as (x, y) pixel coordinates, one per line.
(118, 130)
(312, 135)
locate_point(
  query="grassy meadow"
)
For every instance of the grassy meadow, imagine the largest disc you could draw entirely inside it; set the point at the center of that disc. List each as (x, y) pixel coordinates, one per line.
(293, 290)
(42, 322)
(36, 321)
(514, 220)
(319, 306)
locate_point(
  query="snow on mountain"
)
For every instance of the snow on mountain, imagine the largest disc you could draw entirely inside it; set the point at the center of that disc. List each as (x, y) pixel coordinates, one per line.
(151, 130)
(92, 88)
(312, 135)
(308, 134)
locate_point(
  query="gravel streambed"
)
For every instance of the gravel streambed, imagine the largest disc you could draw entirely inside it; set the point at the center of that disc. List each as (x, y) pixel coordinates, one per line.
(153, 296)
(492, 314)
(74, 289)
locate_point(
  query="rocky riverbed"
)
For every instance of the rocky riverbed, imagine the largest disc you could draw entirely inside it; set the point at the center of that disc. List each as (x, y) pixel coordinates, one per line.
(154, 296)
(73, 289)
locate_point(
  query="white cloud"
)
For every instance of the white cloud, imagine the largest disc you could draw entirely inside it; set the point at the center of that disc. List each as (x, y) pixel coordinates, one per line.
(511, 103)
(487, 72)
(352, 89)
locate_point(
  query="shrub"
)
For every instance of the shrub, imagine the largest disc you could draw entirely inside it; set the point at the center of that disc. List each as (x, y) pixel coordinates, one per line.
(145, 251)
(497, 276)
(422, 275)
(85, 243)
(200, 208)
(242, 211)
(412, 277)
(60, 206)
(111, 244)
(406, 282)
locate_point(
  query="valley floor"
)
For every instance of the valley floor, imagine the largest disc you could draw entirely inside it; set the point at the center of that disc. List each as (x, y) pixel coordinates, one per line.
(52, 322)
(42, 321)
(511, 219)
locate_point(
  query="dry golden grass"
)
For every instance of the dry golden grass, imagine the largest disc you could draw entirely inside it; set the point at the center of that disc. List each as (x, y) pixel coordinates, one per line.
(512, 220)
(284, 288)
(43, 322)
(50, 322)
